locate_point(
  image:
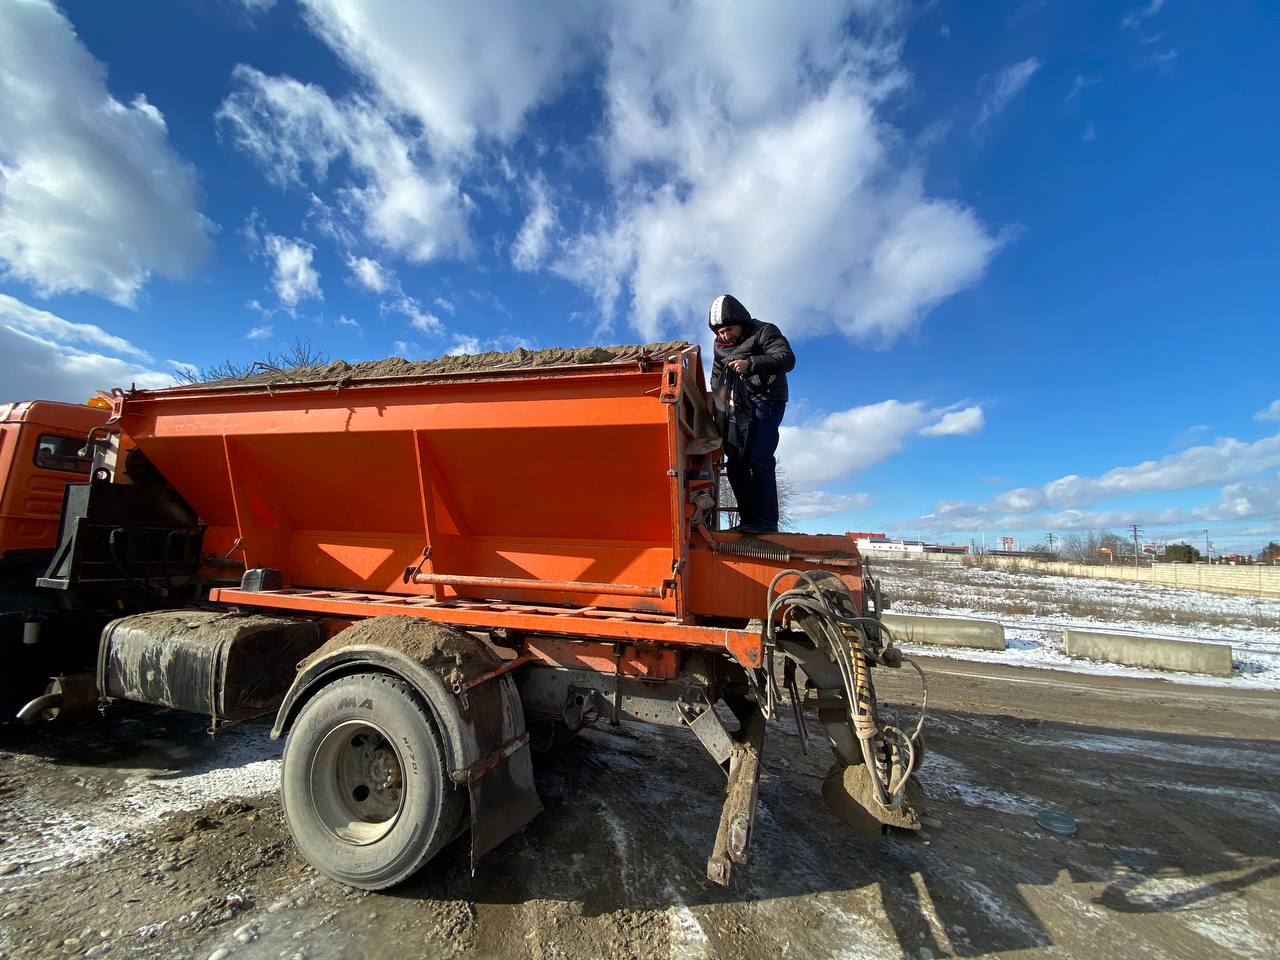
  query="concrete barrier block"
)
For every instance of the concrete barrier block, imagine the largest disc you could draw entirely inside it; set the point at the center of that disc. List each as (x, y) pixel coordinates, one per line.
(1157, 653)
(945, 631)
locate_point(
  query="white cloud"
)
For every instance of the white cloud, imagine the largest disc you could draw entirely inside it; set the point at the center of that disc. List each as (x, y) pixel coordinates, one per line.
(44, 357)
(1006, 85)
(747, 154)
(255, 7)
(397, 197)
(1245, 501)
(345, 321)
(1080, 84)
(92, 197)
(426, 322)
(1090, 133)
(1271, 412)
(1059, 502)
(370, 274)
(1161, 61)
(465, 343)
(956, 423)
(1224, 460)
(744, 144)
(843, 443)
(421, 320)
(1134, 19)
(817, 503)
(464, 69)
(445, 305)
(263, 332)
(530, 247)
(850, 241)
(23, 318)
(293, 275)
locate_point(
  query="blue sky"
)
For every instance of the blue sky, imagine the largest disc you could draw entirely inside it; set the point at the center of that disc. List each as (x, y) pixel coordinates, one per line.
(1027, 254)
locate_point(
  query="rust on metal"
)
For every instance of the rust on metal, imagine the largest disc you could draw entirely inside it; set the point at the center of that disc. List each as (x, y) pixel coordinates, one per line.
(478, 769)
(507, 667)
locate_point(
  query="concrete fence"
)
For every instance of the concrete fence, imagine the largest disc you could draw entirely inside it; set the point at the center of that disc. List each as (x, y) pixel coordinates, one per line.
(1258, 580)
(1159, 653)
(945, 631)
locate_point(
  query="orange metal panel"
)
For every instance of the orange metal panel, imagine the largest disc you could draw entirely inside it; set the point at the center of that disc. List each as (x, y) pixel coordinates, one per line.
(515, 480)
(725, 585)
(547, 476)
(745, 646)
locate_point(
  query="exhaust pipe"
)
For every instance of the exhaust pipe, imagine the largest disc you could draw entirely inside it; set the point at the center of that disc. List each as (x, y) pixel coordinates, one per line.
(46, 701)
(77, 693)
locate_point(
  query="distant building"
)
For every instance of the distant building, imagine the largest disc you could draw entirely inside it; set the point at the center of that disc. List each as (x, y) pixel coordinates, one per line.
(878, 545)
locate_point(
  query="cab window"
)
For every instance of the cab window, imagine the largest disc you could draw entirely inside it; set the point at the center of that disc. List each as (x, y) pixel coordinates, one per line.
(71, 454)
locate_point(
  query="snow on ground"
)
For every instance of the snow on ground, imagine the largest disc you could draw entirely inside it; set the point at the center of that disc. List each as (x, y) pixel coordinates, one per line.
(45, 832)
(1035, 607)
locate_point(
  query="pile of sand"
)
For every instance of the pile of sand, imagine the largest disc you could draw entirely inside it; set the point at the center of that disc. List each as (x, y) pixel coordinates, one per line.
(340, 370)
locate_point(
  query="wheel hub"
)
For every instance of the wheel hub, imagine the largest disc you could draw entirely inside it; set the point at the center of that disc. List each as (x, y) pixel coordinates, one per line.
(357, 783)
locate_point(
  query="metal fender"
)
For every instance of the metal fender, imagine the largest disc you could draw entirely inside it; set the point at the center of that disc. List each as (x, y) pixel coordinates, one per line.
(478, 713)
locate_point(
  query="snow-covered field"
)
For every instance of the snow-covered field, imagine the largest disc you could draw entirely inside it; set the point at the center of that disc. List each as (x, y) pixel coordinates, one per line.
(1034, 608)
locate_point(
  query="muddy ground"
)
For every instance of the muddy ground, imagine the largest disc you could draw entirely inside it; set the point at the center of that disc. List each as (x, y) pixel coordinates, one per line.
(1174, 788)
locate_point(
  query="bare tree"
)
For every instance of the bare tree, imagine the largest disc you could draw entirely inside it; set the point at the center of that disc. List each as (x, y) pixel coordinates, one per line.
(302, 353)
(786, 495)
(1090, 546)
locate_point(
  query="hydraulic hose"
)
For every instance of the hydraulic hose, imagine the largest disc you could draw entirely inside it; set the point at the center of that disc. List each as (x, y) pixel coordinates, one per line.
(841, 632)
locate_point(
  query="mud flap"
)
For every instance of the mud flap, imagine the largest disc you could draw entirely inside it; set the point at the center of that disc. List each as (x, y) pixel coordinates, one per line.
(503, 797)
(478, 712)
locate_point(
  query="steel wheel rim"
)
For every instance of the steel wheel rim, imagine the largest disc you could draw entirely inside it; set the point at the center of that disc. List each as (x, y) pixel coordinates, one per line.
(356, 783)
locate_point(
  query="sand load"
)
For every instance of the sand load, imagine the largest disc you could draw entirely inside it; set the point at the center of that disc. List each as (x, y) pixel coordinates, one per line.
(399, 367)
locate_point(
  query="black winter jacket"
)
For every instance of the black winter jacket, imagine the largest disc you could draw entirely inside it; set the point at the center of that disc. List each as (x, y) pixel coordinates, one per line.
(771, 358)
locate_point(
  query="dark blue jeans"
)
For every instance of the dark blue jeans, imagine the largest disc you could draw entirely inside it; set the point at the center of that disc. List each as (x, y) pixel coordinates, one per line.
(753, 476)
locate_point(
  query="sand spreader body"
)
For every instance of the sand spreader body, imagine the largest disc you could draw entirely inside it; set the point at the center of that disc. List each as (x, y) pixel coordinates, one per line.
(429, 575)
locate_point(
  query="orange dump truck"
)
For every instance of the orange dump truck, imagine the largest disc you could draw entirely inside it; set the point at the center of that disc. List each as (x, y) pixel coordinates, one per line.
(427, 576)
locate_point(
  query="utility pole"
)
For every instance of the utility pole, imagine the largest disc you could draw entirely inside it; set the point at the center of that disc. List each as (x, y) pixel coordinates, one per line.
(1135, 529)
(1051, 540)
(1208, 556)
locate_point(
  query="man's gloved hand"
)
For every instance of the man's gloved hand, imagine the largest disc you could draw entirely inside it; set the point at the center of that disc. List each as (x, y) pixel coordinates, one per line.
(740, 366)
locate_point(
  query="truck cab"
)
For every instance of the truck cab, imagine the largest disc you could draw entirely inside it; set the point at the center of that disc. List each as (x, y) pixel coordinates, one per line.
(43, 448)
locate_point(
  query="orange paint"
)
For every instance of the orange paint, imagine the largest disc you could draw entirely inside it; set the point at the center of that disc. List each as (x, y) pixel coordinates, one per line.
(577, 475)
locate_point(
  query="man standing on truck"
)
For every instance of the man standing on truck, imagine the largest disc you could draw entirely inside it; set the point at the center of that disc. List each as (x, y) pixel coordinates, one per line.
(749, 389)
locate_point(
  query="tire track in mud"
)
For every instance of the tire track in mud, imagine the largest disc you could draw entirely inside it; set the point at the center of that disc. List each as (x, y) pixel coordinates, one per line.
(1171, 858)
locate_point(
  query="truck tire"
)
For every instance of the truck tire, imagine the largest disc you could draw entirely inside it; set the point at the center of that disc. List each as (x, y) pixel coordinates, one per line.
(366, 794)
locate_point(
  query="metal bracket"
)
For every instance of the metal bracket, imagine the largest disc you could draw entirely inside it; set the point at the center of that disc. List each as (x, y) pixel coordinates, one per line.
(738, 815)
(581, 708)
(411, 572)
(706, 725)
